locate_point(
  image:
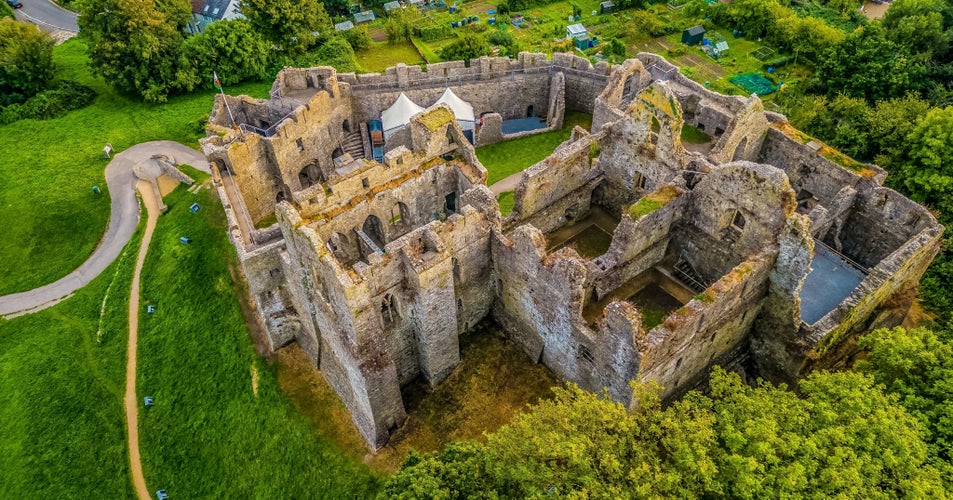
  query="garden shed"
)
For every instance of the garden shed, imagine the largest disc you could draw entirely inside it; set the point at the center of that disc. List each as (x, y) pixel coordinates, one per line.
(606, 7)
(389, 6)
(693, 35)
(344, 26)
(576, 31)
(364, 17)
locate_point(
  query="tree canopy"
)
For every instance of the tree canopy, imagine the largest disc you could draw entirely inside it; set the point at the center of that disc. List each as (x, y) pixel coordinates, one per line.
(841, 437)
(232, 49)
(293, 25)
(26, 60)
(868, 65)
(134, 46)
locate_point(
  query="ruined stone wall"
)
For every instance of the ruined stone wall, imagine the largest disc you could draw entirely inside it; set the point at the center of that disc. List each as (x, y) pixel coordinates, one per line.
(707, 110)
(637, 245)
(490, 84)
(267, 167)
(558, 187)
(710, 238)
(684, 347)
(880, 221)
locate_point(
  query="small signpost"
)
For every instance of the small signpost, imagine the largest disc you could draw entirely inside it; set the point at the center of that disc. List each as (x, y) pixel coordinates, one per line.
(108, 148)
(151, 308)
(194, 207)
(185, 240)
(147, 401)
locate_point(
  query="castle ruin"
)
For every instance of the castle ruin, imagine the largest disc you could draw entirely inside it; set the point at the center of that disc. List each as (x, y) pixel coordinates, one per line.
(627, 254)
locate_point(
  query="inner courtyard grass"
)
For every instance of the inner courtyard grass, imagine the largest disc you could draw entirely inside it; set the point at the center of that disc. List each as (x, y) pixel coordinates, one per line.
(215, 430)
(52, 219)
(506, 158)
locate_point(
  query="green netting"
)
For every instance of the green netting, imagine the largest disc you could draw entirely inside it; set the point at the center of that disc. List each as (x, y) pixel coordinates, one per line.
(754, 83)
(763, 53)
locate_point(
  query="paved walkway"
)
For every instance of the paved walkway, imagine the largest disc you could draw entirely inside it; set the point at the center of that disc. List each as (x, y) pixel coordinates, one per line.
(49, 17)
(130, 400)
(123, 219)
(506, 184)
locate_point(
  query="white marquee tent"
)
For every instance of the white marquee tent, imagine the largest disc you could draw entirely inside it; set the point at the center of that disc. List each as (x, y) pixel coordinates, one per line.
(398, 115)
(462, 110)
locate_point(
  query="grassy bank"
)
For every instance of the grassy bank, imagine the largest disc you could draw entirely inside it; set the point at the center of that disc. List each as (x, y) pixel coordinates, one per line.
(221, 426)
(506, 158)
(62, 428)
(53, 220)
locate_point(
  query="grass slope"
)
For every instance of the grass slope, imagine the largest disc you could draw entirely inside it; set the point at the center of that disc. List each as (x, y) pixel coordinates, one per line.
(210, 435)
(53, 221)
(62, 427)
(506, 158)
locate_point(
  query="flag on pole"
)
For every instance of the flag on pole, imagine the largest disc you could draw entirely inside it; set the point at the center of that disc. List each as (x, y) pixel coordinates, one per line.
(218, 84)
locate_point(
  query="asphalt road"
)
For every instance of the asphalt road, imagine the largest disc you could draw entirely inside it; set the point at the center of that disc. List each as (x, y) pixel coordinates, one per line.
(123, 219)
(48, 16)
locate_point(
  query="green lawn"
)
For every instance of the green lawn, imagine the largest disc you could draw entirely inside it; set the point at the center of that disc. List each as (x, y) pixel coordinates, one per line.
(510, 157)
(210, 435)
(62, 427)
(52, 220)
(382, 55)
(506, 202)
(692, 135)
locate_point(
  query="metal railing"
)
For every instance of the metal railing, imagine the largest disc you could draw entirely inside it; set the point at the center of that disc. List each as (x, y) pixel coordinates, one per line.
(844, 258)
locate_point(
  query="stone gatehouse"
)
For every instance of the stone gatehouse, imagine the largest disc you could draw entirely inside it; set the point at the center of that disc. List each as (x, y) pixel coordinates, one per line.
(628, 253)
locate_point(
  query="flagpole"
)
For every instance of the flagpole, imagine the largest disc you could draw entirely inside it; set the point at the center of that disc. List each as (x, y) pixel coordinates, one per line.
(227, 107)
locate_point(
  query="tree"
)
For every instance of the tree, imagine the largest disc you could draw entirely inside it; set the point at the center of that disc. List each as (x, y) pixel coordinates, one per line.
(928, 173)
(26, 60)
(357, 37)
(230, 48)
(466, 48)
(917, 366)
(917, 26)
(870, 66)
(134, 47)
(891, 122)
(842, 438)
(400, 23)
(293, 25)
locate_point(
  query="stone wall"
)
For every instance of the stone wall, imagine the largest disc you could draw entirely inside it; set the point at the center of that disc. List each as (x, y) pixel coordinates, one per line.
(380, 267)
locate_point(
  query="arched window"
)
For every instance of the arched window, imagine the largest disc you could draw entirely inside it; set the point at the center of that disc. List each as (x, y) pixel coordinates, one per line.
(374, 230)
(389, 312)
(529, 111)
(346, 126)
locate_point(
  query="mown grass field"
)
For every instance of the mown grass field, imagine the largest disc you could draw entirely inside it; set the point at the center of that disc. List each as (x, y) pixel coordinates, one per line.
(382, 55)
(506, 158)
(62, 427)
(221, 426)
(52, 220)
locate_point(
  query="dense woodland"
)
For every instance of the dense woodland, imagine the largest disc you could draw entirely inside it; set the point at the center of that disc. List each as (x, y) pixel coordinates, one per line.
(882, 92)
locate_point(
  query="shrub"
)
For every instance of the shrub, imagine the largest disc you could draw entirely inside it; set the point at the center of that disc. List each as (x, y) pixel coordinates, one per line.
(26, 60)
(357, 37)
(66, 96)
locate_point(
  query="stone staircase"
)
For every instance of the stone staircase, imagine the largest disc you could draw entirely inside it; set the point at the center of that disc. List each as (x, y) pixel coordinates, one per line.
(353, 145)
(687, 274)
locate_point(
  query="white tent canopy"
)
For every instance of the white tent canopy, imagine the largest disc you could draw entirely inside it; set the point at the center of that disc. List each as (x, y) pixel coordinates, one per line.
(462, 110)
(399, 114)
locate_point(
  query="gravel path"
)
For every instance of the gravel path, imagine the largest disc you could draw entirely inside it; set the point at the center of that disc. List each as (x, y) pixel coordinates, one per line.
(124, 217)
(130, 400)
